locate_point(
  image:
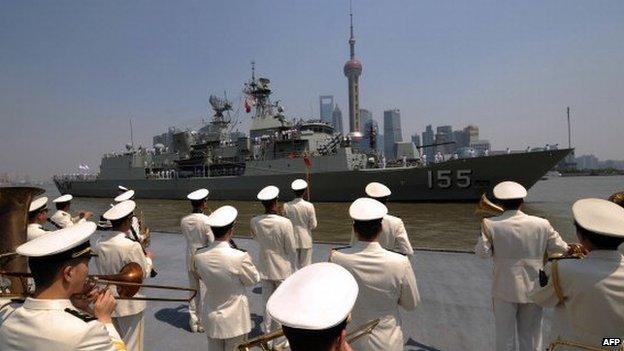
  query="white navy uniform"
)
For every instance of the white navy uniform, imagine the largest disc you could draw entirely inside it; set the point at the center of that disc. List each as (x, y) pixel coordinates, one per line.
(593, 296)
(386, 280)
(517, 243)
(393, 236)
(225, 312)
(55, 325)
(114, 251)
(197, 233)
(303, 217)
(35, 230)
(63, 219)
(277, 251)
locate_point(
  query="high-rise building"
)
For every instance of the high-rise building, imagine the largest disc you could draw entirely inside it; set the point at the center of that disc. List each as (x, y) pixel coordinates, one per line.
(416, 139)
(444, 134)
(352, 70)
(366, 144)
(428, 139)
(472, 134)
(337, 120)
(460, 139)
(365, 116)
(392, 132)
(326, 103)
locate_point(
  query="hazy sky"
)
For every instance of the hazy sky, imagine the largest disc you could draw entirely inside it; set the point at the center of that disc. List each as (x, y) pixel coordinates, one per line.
(73, 73)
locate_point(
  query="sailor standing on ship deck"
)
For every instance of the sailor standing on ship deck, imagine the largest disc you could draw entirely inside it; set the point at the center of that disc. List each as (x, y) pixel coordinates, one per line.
(115, 250)
(37, 216)
(517, 243)
(61, 218)
(386, 279)
(393, 235)
(303, 217)
(197, 233)
(277, 250)
(135, 232)
(226, 271)
(590, 290)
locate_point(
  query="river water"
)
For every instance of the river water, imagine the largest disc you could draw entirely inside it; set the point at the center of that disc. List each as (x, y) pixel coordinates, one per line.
(429, 225)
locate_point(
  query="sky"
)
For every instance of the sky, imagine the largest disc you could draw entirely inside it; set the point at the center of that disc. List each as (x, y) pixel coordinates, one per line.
(73, 73)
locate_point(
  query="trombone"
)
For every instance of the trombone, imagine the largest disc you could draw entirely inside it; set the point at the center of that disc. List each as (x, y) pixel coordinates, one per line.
(487, 208)
(263, 340)
(127, 282)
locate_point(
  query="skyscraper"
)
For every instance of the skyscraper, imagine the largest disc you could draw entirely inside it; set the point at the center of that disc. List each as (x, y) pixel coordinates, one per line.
(365, 116)
(337, 120)
(365, 143)
(428, 139)
(444, 134)
(416, 139)
(352, 70)
(326, 103)
(392, 132)
(472, 134)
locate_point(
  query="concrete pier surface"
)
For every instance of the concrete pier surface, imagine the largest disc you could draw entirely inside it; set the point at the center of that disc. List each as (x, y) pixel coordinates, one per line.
(455, 312)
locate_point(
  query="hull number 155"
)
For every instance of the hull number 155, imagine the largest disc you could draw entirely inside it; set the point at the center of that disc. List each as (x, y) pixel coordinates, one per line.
(445, 178)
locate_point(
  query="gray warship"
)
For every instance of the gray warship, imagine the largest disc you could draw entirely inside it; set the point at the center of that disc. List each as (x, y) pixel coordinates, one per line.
(278, 150)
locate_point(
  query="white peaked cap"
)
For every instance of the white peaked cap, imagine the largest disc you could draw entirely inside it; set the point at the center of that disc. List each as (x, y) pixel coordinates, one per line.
(125, 196)
(316, 297)
(367, 209)
(222, 216)
(38, 204)
(120, 210)
(57, 241)
(198, 194)
(268, 193)
(122, 188)
(509, 190)
(376, 189)
(298, 184)
(599, 216)
(63, 198)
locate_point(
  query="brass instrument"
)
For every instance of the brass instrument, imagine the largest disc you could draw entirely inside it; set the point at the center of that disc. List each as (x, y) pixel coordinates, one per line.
(127, 282)
(263, 340)
(144, 231)
(560, 342)
(487, 208)
(617, 198)
(14, 204)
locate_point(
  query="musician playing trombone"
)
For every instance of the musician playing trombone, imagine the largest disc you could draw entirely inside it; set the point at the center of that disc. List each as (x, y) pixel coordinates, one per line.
(313, 305)
(517, 243)
(53, 319)
(226, 272)
(590, 289)
(114, 250)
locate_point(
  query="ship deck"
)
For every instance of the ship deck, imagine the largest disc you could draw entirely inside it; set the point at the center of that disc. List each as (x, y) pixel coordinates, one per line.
(454, 313)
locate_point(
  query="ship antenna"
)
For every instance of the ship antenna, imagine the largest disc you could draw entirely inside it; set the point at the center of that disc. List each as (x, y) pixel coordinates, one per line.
(131, 134)
(569, 130)
(253, 71)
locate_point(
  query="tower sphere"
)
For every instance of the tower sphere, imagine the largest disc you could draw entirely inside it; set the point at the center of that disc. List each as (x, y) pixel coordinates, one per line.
(353, 67)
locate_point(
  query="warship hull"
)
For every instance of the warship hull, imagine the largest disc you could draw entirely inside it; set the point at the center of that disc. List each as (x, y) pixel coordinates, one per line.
(451, 181)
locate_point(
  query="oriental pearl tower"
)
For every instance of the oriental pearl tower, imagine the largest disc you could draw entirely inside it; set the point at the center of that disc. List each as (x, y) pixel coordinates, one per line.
(352, 70)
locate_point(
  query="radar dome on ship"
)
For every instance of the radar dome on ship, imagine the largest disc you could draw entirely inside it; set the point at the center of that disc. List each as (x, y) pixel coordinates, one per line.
(353, 66)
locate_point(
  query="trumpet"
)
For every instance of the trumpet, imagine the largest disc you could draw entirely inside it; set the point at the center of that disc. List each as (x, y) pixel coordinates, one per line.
(263, 340)
(127, 282)
(487, 208)
(560, 342)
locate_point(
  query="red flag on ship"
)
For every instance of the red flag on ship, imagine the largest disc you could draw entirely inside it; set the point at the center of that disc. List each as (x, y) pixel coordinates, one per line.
(248, 104)
(307, 161)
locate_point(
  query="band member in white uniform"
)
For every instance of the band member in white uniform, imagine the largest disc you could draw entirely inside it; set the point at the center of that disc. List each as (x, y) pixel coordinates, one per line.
(53, 319)
(313, 306)
(517, 243)
(393, 235)
(303, 217)
(37, 216)
(135, 228)
(276, 240)
(226, 272)
(197, 233)
(62, 218)
(385, 278)
(114, 250)
(590, 290)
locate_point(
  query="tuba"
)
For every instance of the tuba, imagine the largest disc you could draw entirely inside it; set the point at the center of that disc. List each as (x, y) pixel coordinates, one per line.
(263, 340)
(14, 204)
(617, 198)
(487, 208)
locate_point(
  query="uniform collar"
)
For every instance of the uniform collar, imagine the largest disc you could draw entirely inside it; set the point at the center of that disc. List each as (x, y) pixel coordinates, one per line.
(513, 212)
(47, 304)
(221, 244)
(367, 245)
(605, 255)
(35, 225)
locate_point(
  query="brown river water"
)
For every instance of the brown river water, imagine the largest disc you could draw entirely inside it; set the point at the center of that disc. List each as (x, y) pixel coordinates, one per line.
(451, 226)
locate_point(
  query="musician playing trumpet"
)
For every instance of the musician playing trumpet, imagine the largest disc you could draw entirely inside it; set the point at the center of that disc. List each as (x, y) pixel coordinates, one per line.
(115, 250)
(517, 243)
(54, 318)
(590, 290)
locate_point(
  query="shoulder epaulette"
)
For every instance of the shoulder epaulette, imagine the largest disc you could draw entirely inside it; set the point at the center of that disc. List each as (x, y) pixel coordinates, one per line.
(54, 224)
(85, 317)
(397, 252)
(341, 248)
(202, 247)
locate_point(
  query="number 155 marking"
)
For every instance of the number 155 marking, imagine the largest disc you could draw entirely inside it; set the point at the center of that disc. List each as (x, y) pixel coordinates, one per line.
(444, 178)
